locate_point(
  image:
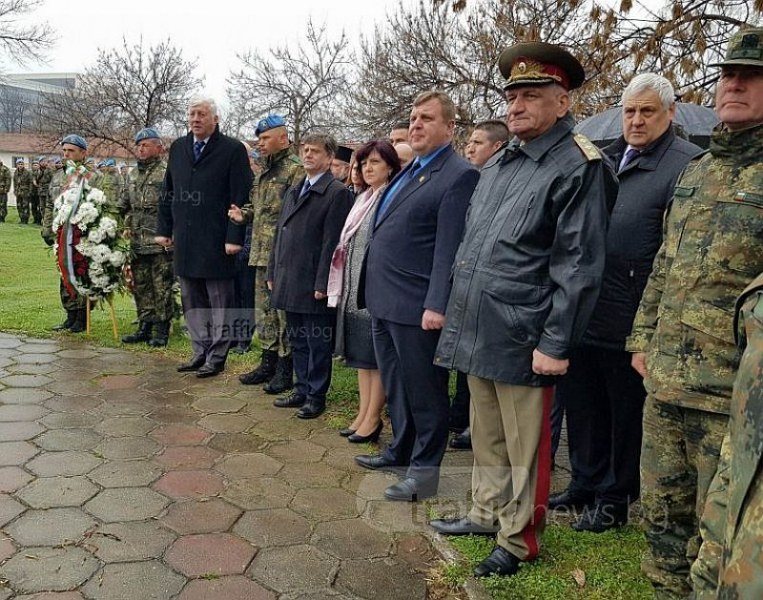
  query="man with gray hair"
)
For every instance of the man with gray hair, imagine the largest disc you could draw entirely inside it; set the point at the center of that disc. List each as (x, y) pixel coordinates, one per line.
(603, 395)
(206, 173)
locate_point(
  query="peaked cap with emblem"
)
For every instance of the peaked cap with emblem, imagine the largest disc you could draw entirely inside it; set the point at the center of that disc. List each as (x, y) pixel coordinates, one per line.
(539, 63)
(745, 48)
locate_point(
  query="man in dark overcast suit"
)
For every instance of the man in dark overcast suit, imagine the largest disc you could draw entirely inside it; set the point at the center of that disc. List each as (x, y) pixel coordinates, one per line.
(406, 283)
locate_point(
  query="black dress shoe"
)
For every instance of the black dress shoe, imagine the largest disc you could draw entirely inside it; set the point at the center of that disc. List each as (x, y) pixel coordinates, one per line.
(500, 562)
(410, 489)
(293, 400)
(462, 526)
(570, 500)
(208, 370)
(601, 518)
(378, 463)
(462, 441)
(312, 409)
(192, 365)
(346, 432)
(371, 438)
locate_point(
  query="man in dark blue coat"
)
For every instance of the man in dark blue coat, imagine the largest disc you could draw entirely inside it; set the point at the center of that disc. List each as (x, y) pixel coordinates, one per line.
(603, 395)
(405, 284)
(206, 173)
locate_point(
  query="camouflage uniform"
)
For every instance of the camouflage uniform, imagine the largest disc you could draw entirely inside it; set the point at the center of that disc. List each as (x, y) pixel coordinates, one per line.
(34, 197)
(43, 189)
(729, 564)
(5, 187)
(55, 186)
(22, 189)
(283, 169)
(151, 265)
(711, 250)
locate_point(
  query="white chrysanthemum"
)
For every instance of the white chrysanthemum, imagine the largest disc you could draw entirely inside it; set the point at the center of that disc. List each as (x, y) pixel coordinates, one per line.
(109, 226)
(96, 196)
(86, 213)
(117, 258)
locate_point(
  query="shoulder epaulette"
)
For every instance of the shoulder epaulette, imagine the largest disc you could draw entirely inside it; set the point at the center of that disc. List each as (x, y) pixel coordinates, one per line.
(587, 146)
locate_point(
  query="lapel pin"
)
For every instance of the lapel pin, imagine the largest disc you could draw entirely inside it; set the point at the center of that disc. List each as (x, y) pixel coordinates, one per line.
(422, 179)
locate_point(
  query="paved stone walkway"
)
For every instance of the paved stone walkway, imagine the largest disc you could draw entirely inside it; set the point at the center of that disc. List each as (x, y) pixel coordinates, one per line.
(122, 479)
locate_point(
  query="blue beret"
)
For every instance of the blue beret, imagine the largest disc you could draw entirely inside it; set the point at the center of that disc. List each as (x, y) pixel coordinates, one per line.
(75, 140)
(109, 162)
(19, 161)
(101, 163)
(269, 122)
(148, 133)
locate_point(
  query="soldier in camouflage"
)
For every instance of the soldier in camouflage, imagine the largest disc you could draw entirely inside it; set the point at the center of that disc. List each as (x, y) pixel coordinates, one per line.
(681, 338)
(55, 185)
(22, 189)
(5, 187)
(282, 170)
(729, 564)
(34, 197)
(43, 186)
(151, 264)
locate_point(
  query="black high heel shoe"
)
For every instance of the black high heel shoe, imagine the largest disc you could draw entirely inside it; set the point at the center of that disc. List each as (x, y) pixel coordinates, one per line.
(346, 432)
(371, 438)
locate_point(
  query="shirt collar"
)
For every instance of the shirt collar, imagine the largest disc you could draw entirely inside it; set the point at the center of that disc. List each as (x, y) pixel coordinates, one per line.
(428, 158)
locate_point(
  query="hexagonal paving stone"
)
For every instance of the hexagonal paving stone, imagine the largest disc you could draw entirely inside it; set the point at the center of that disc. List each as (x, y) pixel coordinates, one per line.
(311, 475)
(129, 542)
(234, 443)
(192, 516)
(39, 348)
(123, 448)
(125, 426)
(36, 359)
(248, 465)
(225, 588)
(261, 493)
(179, 435)
(293, 568)
(74, 404)
(7, 549)
(381, 580)
(25, 430)
(277, 527)
(126, 504)
(66, 463)
(63, 420)
(9, 509)
(323, 504)
(50, 527)
(49, 569)
(26, 381)
(351, 538)
(219, 405)
(120, 581)
(297, 451)
(231, 423)
(79, 354)
(33, 369)
(134, 473)
(130, 407)
(24, 396)
(68, 439)
(53, 596)
(397, 516)
(189, 484)
(210, 554)
(10, 341)
(14, 413)
(16, 453)
(119, 382)
(13, 478)
(52, 492)
(187, 457)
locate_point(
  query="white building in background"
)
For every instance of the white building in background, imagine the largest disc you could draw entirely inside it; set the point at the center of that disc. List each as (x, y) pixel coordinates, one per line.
(20, 95)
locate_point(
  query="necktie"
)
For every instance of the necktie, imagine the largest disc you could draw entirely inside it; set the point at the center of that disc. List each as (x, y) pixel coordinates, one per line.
(399, 184)
(628, 158)
(305, 188)
(198, 146)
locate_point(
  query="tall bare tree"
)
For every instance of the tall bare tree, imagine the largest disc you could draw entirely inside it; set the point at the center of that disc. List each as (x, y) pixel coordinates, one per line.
(20, 41)
(306, 83)
(128, 88)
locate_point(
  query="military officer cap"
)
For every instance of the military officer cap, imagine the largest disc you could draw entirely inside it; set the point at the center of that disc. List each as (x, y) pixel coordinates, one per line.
(539, 63)
(343, 153)
(745, 48)
(147, 133)
(269, 122)
(75, 140)
(36, 161)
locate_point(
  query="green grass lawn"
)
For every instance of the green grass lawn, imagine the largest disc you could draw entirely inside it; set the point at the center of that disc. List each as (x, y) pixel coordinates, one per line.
(29, 304)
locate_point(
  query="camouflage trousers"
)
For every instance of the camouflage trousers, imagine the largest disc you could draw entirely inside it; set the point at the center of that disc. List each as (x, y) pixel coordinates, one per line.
(70, 302)
(3, 207)
(153, 279)
(35, 206)
(22, 205)
(679, 456)
(271, 323)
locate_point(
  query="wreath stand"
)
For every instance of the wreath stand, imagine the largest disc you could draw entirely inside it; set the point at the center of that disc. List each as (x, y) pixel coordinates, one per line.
(111, 312)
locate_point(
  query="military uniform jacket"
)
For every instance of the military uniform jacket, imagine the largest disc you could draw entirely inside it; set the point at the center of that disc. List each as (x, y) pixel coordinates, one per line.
(140, 202)
(711, 250)
(22, 183)
(528, 270)
(57, 180)
(43, 182)
(5, 179)
(283, 170)
(729, 564)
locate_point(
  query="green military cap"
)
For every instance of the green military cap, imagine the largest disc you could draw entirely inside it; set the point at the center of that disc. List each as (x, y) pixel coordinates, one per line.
(745, 48)
(539, 63)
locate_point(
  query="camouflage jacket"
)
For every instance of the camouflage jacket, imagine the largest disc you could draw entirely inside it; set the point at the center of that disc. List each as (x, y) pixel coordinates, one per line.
(5, 179)
(57, 180)
(43, 182)
(22, 183)
(283, 170)
(729, 565)
(711, 250)
(140, 202)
